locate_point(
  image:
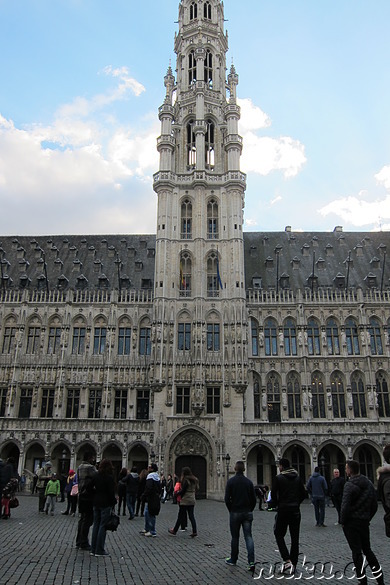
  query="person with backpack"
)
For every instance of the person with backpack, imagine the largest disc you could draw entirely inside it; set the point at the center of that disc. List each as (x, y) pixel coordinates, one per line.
(151, 497)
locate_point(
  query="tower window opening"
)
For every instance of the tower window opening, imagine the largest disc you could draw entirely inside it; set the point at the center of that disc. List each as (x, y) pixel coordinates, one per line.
(186, 220)
(191, 68)
(193, 10)
(208, 69)
(214, 283)
(210, 145)
(185, 275)
(212, 220)
(207, 10)
(191, 145)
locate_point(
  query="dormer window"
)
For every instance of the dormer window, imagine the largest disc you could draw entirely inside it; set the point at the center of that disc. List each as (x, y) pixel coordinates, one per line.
(193, 10)
(269, 262)
(284, 281)
(103, 281)
(339, 280)
(256, 282)
(81, 282)
(375, 262)
(62, 282)
(371, 281)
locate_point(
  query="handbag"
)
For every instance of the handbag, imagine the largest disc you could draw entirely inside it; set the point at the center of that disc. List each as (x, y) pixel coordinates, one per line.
(113, 522)
(75, 489)
(14, 502)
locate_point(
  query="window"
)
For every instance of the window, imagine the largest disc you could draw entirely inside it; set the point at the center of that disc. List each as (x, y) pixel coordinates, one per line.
(144, 341)
(47, 403)
(257, 399)
(95, 403)
(207, 10)
(255, 337)
(186, 220)
(214, 283)
(120, 407)
(191, 69)
(313, 337)
(212, 220)
(124, 340)
(358, 395)
(185, 274)
(210, 143)
(193, 10)
(183, 400)
(382, 390)
(290, 337)
(191, 145)
(318, 397)
(184, 336)
(54, 340)
(143, 398)
(293, 395)
(273, 398)
(352, 337)
(25, 402)
(338, 395)
(33, 339)
(332, 337)
(9, 340)
(213, 337)
(3, 401)
(72, 403)
(270, 337)
(99, 340)
(375, 337)
(78, 340)
(213, 401)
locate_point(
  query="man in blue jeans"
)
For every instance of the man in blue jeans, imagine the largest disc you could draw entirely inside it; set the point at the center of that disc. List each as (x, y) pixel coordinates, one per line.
(318, 489)
(240, 500)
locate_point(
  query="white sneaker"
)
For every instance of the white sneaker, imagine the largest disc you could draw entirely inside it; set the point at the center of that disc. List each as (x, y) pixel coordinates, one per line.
(150, 534)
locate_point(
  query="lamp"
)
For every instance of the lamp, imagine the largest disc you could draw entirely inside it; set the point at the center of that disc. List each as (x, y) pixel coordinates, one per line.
(227, 458)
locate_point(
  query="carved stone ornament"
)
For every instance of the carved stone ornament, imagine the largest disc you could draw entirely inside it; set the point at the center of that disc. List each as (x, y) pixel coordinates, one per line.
(191, 443)
(198, 407)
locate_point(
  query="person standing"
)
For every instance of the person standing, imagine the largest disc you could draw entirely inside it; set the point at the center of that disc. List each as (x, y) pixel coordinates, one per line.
(71, 497)
(336, 491)
(240, 500)
(287, 494)
(141, 488)
(104, 501)
(43, 474)
(358, 507)
(122, 490)
(189, 486)
(151, 497)
(52, 491)
(383, 474)
(317, 488)
(131, 482)
(85, 475)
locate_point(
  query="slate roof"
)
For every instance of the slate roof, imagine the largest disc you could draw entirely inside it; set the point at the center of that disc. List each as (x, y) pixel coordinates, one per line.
(100, 262)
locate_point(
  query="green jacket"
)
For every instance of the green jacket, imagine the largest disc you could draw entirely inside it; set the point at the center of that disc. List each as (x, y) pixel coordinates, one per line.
(52, 488)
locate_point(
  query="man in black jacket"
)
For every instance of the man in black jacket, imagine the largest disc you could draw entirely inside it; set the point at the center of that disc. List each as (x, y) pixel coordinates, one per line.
(287, 493)
(358, 507)
(240, 500)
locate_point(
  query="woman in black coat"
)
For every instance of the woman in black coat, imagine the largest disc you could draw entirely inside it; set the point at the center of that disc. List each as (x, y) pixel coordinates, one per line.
(103, 502)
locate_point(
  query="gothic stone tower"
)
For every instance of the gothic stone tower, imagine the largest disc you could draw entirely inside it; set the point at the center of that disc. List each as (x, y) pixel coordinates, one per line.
(199, 346)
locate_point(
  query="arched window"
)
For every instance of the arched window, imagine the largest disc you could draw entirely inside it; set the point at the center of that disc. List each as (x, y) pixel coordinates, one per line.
(191, 145)
(213, 333)
(209, 145)
(290, 337)
(338, 395)
(193, 10)
(375, 337)
(214, 283)
(144, 347)
(185, 274)
(367, 465)
(255, 337)
(186, 220)
(256, 398)
(273, 397)
(212, 220)
(382, 392)
(99, 336)
(358, 395)
(270, 337)
(207, 10)
(332, 337)
(352, 336)
(313, 337)
(318, 397)
(124, 336)
(191, 68)
(293, 395)
(208, 69)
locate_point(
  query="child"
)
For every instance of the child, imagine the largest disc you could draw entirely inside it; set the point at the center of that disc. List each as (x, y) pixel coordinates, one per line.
(51, 492)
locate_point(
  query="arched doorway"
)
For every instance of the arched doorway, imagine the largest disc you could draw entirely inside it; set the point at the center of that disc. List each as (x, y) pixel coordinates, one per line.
(138, 457)
(34, 457)
(299, 459)
(60, 459)
(261, 466)
(10, 450)
(329, 458)
(114, 454)
(198, 467)
(369, 461)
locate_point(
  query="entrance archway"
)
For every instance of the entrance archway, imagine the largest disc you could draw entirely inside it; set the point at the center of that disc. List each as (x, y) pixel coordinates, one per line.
(138, 457)
(300, 460)
(198, 467)
(329, 458)
(261, 466)
(10, 450)
(369, 461)
(114, 454)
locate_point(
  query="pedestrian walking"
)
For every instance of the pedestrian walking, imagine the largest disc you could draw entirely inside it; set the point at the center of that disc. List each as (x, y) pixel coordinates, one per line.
(318, 489)
(52, 491)
(141, 488)
(151, 497)
(287, 494)
(336, 491)
(189, 486)
(104, 501)
(240, 500)
(383, 474)
(122, 491)
(169, 488)
(131, 482)
(358, 507)
(85, 475)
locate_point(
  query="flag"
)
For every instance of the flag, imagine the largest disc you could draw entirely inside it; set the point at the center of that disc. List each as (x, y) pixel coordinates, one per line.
(220, 285)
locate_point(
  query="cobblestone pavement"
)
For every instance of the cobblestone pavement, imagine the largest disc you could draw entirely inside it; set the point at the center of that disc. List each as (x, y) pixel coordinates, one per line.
(36, 549)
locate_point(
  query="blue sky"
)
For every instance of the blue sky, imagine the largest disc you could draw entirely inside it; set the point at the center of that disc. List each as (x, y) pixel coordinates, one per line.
(82, 80)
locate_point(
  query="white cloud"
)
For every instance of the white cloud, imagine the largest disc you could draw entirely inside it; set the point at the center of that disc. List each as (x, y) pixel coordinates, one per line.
(383, 176)
(276, 200)
(251, 222)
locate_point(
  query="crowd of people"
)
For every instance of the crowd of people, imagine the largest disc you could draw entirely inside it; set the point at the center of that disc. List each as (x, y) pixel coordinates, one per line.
(93, 490)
